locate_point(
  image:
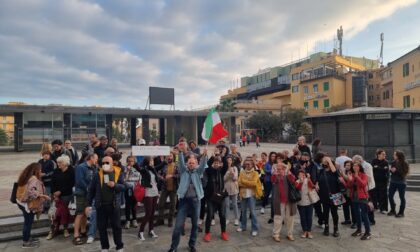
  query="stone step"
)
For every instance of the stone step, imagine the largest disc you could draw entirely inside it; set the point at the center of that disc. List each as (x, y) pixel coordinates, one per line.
(413, 188)
(413, 182)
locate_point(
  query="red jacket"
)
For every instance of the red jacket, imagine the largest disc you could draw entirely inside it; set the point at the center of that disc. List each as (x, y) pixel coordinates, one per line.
(361, 185)
(299, 185)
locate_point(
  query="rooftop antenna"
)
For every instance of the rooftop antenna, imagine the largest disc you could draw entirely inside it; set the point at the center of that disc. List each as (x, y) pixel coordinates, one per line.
(381, 57)
(340, 40)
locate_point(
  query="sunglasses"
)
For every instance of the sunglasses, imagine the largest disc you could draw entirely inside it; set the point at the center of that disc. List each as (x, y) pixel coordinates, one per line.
(105, 163)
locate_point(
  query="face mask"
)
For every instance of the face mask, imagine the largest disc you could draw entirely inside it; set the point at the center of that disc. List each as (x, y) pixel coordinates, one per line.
(106, 167)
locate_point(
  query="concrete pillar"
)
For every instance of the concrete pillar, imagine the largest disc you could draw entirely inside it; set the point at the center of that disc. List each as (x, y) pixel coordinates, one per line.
(178, 128)
(108, 126)
(162, 135)
(66, 126)
(133, 136)
(145, 128)
(200, 124)
(18, 134)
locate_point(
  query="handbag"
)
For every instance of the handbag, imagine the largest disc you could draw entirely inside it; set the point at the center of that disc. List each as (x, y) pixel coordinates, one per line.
(139, 192)
(313, 196)
(14, 192)
(293, 194)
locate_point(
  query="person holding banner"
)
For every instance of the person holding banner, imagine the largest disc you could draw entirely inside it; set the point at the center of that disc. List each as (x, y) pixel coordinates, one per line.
(190, 192)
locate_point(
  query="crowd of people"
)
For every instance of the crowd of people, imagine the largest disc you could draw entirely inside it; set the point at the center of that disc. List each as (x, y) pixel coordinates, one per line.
(192, 183)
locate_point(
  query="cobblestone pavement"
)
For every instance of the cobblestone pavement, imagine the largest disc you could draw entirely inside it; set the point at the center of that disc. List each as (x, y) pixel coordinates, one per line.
(389, 234)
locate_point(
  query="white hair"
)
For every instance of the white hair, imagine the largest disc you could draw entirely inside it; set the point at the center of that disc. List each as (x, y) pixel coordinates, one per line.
(64, 159)
(357, 158)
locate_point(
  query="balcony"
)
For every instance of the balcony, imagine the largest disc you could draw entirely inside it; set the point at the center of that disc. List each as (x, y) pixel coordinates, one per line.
(316, 76)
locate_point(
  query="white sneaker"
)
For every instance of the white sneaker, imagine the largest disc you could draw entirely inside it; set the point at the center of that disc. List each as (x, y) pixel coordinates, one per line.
(213, 222)
(200, 221)
(127, 225)
(239, 230)
(90, 240)
(153, 234)
(262, 210)
(227, 222)
(236, 222)
(141, 236)
(254, 233)
(120, 250)
(134, 224)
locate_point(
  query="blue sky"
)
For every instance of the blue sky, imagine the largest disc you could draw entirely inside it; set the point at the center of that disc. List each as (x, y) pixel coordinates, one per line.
(108, 52)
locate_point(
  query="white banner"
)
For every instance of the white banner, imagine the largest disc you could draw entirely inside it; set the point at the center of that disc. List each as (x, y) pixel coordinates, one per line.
(150, 150)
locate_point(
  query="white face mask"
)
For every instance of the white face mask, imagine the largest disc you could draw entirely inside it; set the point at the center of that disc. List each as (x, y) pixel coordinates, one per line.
(106, 167)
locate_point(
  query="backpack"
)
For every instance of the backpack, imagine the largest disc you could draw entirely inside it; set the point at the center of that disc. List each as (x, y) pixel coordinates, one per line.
(14, 192)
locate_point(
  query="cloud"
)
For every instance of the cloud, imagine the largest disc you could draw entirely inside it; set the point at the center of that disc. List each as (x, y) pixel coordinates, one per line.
(109, 52)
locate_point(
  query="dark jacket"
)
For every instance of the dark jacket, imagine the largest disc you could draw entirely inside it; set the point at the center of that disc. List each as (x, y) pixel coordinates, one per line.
(398, 176)
(95, 188)
(162, 169)
(215, 181)
(63, 181)
(88, 149)
(146, 178)
(328, 184)
(380, 172)
(304, 148)
(74, 156)
(57, 154)
(48, 167)
(100, 151)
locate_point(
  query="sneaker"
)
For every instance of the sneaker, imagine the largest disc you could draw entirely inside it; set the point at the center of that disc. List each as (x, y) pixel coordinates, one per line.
(400, 215)
(200, 222)
(310, 236)
(225, 236)
(50, 235)
(239, 230)
(141, 236)
(134, 224)
(366, 236)
(90, 239)
(213, 222)
(153, 234)
(356, 233)
(236, 222)
(347, 222)
(29, 245)
(127, 225)
(254, 233)
(207, 237)
(66, 233)
(262, 210)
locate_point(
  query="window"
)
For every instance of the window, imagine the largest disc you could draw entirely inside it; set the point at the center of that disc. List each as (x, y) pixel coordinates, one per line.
(306, 105)
(326, 86)
(305, 90)
(315, 104)
(326, 103)
(295, 76)
(315, 88)
(406, 69)
(295, 89)
(406, 101)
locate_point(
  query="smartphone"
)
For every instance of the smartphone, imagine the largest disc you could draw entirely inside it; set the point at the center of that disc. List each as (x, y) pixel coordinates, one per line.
(106, 178)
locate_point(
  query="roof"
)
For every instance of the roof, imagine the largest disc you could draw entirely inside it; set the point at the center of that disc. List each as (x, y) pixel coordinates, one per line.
(410, 52)
(128, 112)
(366, 110)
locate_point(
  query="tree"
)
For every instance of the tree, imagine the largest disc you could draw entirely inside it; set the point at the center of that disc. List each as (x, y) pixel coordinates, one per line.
(4, 139)
(294, 118)
(226, 105)
(271, 126)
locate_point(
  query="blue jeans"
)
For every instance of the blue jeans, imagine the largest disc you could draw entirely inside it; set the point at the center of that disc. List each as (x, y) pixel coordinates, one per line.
(393, 187)
(27, 224)
(186, 206)
(92, 221)
(306, 213)
(245, 204)
(360, 210)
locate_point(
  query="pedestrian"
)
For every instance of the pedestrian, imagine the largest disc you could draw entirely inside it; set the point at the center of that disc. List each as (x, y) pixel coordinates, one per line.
(62, 183)
(248, 185)
(305, 186)
(272, 159)
(284, 210)
(257, 141)
(132, 177)
(103, 145)
(89, 148)
(381, 175)
(399, 171)
(193, 147)
(316, 146)
(59, 150)
(317, 163)
(114, 144)
(329, 185)
(349, 213)
(232, 189)
(30, 197)
(169, 174)
(244, 140)
(149, 180)
(341, 159)
(357, 182)
(47, 170)
(84, 174)
(236, 156)
(190, 192)
(73, 152)
(248, 138)
(302, 146)
(106, 188)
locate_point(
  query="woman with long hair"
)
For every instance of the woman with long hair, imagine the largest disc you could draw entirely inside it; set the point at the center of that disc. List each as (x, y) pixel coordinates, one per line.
(381, 175)
(399, 171)
(272, 159)
(232, 188)
(349, 215)
(30, 197)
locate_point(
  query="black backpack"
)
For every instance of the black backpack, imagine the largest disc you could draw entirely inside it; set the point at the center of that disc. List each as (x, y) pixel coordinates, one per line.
(13, 195)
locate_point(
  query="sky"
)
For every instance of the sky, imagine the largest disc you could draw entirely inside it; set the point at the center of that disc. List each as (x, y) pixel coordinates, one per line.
(108, 52)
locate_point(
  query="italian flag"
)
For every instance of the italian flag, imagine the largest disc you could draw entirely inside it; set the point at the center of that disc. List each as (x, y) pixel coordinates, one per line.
(213, 129)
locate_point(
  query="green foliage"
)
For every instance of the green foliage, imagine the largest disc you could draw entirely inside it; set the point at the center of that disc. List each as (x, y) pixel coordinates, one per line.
(4, 139)
(294, 118)
(226, 105)
(271, 126)
(116, 132)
